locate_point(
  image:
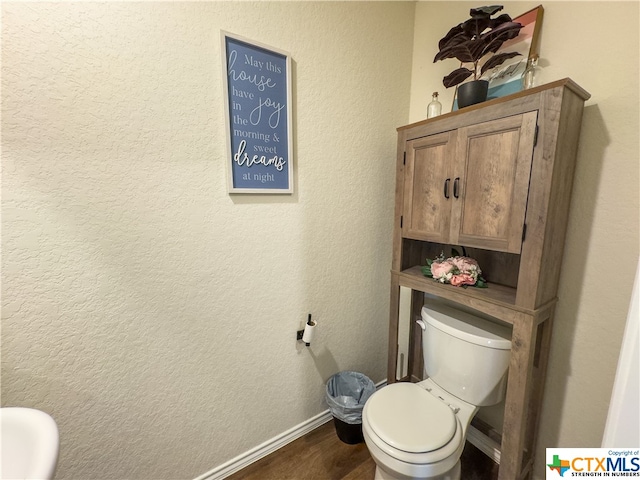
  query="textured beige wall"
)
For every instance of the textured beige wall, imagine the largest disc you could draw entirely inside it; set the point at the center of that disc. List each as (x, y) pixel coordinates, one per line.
(136, 293)
(149, 312)
(596, 44)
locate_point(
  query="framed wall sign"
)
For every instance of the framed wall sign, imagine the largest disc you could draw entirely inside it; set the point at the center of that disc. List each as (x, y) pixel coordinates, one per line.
(507, 78)
(257, 81)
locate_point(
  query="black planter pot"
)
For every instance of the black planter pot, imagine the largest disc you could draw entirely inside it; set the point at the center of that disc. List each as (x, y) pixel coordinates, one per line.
(472, 92)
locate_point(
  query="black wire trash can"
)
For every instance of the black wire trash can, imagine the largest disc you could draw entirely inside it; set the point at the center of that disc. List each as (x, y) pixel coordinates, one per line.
(346, 395)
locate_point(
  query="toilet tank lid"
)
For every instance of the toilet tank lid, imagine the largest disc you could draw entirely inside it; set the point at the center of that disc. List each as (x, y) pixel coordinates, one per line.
(468, 327)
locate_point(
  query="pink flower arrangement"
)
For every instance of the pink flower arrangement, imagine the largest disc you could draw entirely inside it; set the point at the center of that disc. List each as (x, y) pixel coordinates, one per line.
(458, 271)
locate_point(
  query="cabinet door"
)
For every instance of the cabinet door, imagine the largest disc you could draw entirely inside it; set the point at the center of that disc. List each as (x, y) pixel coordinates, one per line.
(428, 187)
(493, 184)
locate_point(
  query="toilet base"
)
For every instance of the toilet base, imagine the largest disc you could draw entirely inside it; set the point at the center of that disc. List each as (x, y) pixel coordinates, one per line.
(453, 474)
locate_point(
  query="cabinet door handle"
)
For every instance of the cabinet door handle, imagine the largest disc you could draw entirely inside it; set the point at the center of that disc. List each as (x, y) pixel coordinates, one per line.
(446, 188)
(456, 185)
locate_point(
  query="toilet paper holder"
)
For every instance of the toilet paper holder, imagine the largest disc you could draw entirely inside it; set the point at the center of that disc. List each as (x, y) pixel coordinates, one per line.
(307, 334)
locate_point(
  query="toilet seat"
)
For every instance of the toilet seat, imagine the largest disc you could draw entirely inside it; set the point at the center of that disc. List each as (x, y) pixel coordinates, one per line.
(409, 424)
(410, 419)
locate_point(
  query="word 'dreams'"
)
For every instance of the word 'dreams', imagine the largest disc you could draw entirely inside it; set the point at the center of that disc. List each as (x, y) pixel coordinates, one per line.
(241, 158)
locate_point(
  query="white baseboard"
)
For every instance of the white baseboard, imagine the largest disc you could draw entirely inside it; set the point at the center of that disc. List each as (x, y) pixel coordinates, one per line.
(245, 459)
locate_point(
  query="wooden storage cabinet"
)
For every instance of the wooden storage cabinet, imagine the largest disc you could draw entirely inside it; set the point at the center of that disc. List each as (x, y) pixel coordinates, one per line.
(469, 186)
(495, 178)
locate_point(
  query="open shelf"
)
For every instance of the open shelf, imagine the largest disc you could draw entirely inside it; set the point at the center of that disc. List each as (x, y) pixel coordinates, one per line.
(496, 300)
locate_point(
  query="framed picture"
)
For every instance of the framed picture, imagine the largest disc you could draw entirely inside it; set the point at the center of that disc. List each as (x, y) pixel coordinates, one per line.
(506, 79)
(257, 83)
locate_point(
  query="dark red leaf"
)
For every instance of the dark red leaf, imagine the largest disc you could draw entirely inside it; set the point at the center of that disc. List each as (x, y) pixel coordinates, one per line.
(506, 31)
(485, 11)
(474, 27)
(462, 52)
(492, 41)
(452, 42)
(496, 60)
(496, 22)
(455, 35)
(457, 76)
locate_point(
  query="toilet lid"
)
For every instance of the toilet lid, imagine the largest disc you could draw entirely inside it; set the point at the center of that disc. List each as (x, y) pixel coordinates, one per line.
(407, 417)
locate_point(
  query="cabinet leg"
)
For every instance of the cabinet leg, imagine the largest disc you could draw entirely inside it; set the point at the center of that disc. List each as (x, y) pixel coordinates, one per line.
(416, 359)
(393, 329)
(516, 409)
(539, 377)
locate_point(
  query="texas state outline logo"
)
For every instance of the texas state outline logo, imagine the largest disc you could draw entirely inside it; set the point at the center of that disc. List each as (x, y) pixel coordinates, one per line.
(592, 462)
(560, 466)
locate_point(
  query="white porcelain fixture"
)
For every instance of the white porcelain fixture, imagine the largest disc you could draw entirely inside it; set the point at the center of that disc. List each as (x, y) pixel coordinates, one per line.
(418, 430)
(29, 444)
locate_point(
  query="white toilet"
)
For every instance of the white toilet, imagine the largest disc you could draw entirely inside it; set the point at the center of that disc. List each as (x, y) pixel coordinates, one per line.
(418, 430)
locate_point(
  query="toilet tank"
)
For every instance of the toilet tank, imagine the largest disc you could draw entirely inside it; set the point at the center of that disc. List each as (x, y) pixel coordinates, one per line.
(466, 355)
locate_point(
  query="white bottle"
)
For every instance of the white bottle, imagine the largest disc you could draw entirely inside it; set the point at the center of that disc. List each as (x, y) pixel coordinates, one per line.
(529, 75)
(435, 107)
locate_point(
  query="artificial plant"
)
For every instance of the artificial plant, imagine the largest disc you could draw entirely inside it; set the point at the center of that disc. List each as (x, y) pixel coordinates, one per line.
(470, 41)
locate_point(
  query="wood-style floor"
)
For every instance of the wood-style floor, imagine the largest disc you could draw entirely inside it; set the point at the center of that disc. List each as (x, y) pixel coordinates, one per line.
(320, 455)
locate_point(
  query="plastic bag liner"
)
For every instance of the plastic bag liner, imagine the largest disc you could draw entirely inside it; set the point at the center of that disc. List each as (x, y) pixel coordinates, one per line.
(346, 395)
